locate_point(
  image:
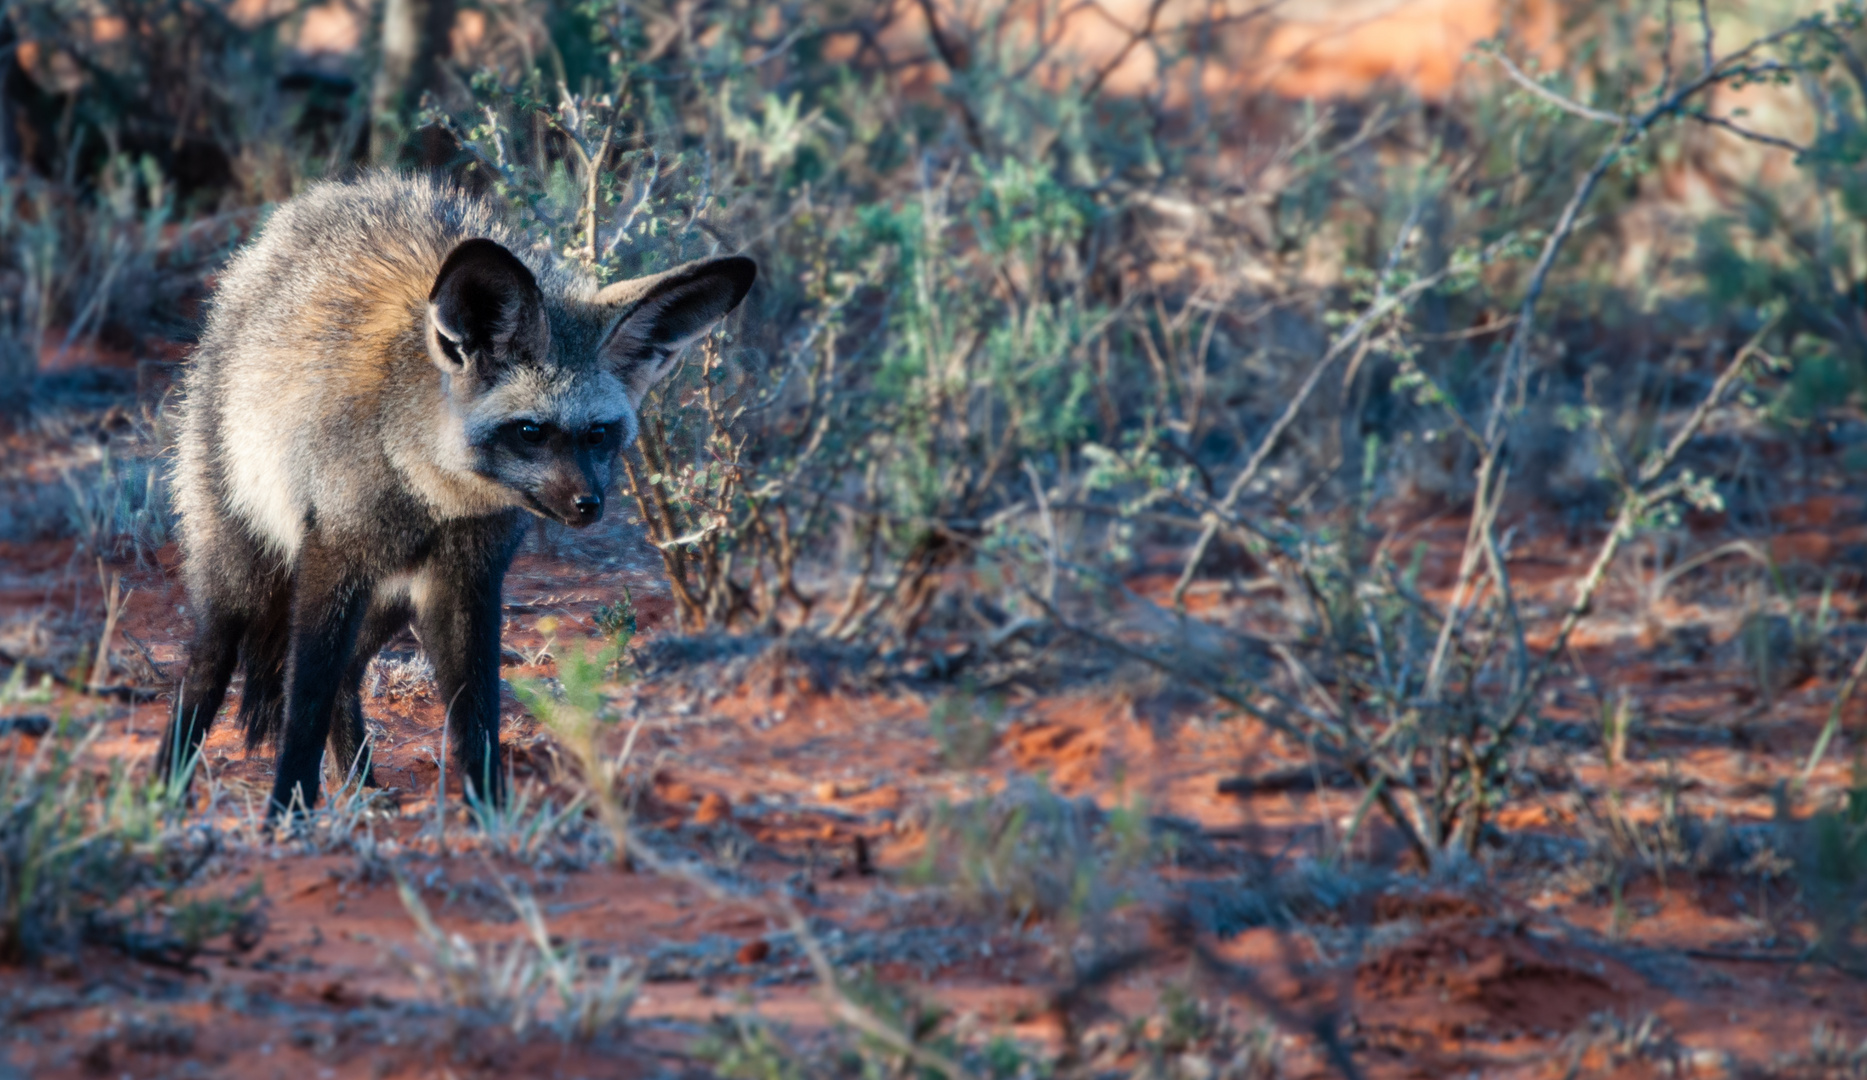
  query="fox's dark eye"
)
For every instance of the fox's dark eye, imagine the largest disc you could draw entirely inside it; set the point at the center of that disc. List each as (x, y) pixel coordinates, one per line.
(531, 433)
(596, 435)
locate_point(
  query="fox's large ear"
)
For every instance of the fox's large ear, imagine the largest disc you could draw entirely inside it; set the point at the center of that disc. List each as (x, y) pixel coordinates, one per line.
(662, 314)
(484, 311)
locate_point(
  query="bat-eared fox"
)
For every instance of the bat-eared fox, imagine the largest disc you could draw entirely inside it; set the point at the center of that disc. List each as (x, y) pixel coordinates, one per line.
(390, 380)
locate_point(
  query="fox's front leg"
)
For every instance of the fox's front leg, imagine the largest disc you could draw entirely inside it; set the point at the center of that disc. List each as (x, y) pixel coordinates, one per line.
(349, 747)
(329, 597)
(457, 616)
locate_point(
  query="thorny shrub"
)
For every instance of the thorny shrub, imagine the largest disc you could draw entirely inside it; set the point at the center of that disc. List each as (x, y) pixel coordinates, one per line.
(965, 364)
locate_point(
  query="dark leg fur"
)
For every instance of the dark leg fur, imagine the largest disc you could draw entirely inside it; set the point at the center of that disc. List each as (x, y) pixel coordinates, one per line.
(262, 658)
(458, 620)
(329, 599)
(349, 738)
(211, 658)
(230, 609)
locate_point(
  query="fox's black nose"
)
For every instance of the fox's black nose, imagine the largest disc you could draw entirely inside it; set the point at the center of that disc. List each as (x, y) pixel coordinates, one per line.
(589, 508)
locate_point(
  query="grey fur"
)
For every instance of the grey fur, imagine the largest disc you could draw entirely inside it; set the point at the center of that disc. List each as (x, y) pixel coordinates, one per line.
(360, 439)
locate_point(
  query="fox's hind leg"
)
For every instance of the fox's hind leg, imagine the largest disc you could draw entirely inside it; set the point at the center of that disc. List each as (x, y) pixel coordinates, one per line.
(262, 662)
(211, 658)
(349, 747)
(232, 605)
(262, 702)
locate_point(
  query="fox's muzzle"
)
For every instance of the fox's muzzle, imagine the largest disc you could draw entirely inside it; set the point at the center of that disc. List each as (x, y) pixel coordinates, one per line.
(573, 494)
(577, 510)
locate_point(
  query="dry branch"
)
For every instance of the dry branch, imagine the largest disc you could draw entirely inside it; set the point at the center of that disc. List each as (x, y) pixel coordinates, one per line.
(1384, 304)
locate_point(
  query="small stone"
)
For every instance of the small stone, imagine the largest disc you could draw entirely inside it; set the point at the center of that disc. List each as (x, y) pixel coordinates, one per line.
(713, 808)
(827, 791)
(886, 797)
(754, 951)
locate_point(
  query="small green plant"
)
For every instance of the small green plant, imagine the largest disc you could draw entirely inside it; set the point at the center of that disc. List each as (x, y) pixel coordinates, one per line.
(914, 1023)
(965, 727)
(498, 982)
(577, 714)
(1182, 1037)
(618, 619)
(509, 983)
(588, 1005)
(921, 1041)
(528, 824)
(1830, 1056)
(742, 1047)
(1780, 650)
(1617, 721)
(1188, 1037)
(1624, 847)
(16, 691)
(119, 508)
(1831, 866)
(101, 859)
(194, 922)
(1030, 854)
(1646, 1040)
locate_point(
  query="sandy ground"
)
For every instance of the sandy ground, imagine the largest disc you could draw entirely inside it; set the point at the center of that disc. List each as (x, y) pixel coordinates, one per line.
(1524, 966)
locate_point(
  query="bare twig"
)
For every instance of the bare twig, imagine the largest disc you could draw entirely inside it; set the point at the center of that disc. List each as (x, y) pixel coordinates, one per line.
(1651, 469)
(1634, 505)
(1319, 1025)
(1746, 133)
(1833, 726)
(1051, 545)
(1384, 305)
(1486, 501)
(958, 62)
(115, 599)
(1135, 37)
(148, 657)
(1544, 93)
(648, 177)
(1667, 38)
(1632, 129)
